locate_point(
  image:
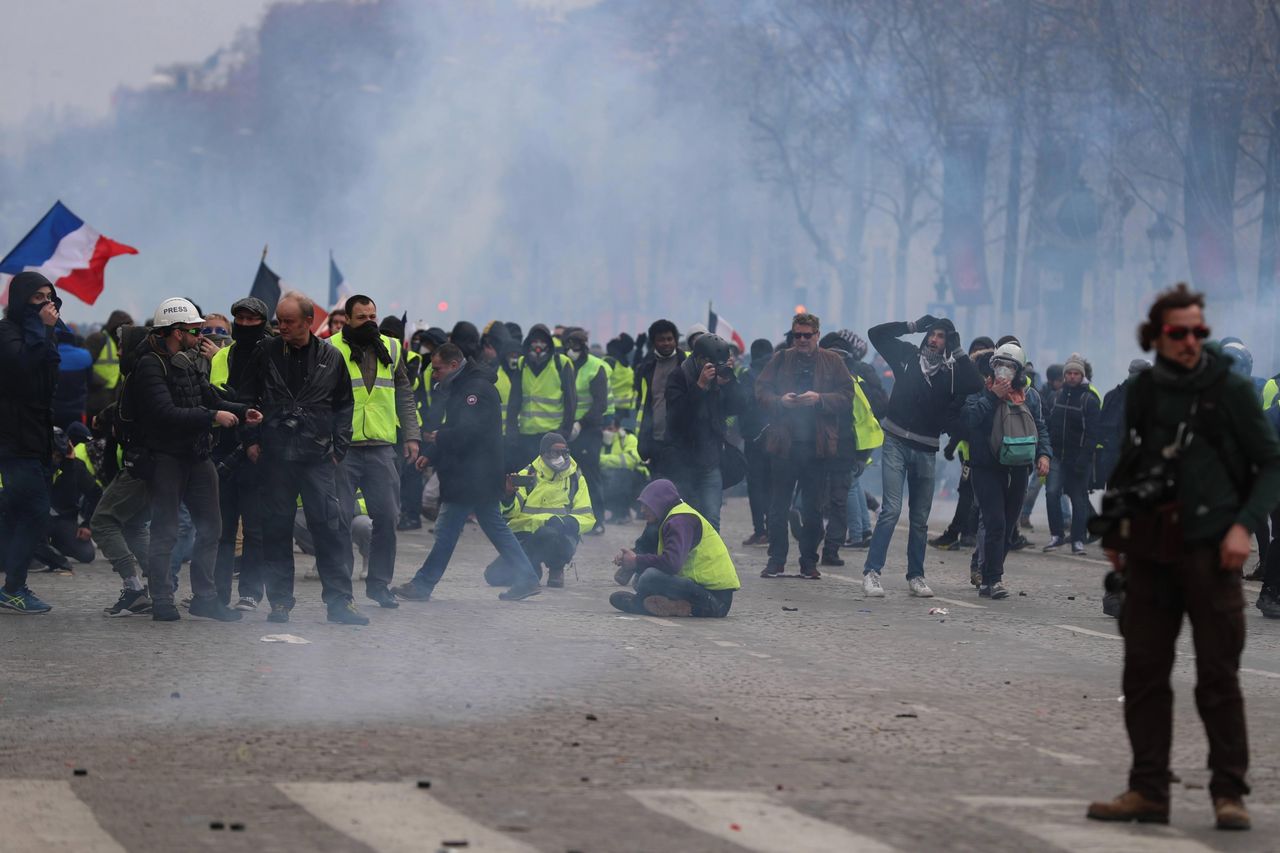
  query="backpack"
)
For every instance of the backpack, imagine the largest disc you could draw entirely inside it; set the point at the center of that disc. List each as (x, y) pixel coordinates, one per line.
(1013, 434)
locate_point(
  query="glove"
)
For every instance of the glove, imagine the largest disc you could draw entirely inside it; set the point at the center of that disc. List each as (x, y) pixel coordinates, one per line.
(949, 452)
(923, 324)
(577, 429)
(953, 342)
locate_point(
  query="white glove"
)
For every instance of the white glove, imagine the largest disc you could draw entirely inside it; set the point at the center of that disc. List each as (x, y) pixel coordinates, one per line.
(577, 429)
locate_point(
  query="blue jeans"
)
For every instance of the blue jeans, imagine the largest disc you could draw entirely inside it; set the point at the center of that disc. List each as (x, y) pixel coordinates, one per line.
(705, 493)
(902, 464)
(24, 516)
(856, 508)
(449, 525)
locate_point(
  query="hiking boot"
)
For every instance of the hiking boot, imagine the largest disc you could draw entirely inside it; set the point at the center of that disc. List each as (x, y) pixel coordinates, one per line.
(164, 611)
(131, 601)
(1112, 602)
(1019, 542)
(968, 541)
(23, 601)
(756, 539)
(627, 602)
(919, 588)
(660, 605)
(1269, 603)
(871, 587)
(773, 570)
(810, 572)
(948, 541)
(520, 593)
(212, 608)
(1130, 805)
(279, 614)
(555, 578)
(830, 558)
(411, 592)
(248, 605)
(1055, 542)
(1230, 813)
(346, 613)
(1077, 549)
(383, 596)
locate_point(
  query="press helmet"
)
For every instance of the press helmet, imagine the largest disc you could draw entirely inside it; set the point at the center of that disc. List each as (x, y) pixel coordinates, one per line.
(1012, 353)
(713, 348)
(175, 311)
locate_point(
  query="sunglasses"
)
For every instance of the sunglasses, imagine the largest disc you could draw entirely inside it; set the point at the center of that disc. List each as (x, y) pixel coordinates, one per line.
(214, 330)
(804, 336)
(1179, 333)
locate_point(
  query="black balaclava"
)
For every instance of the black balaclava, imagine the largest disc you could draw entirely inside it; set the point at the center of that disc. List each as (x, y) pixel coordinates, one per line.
(20, 289)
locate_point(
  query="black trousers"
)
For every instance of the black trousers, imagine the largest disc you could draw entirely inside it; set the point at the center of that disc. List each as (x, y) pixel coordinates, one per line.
(586, 450)
(62, 535)
(238, 497)
(758, 466)
(194, 482)
(315, 482)
(964, 504)
(1271, 562)
(549, 545)
(999, 492)
(1156, 597)
(808, 472)
(835, 504)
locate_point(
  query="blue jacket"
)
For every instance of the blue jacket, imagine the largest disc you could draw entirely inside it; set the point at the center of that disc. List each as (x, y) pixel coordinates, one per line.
(978, 419)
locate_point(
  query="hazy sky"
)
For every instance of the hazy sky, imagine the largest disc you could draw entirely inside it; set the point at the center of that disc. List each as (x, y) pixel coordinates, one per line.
(72, 54)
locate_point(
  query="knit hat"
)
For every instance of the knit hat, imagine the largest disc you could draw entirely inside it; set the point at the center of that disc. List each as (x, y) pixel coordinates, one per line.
(1138, 365)
(1074, 362)
(254, 304)
(550, 440)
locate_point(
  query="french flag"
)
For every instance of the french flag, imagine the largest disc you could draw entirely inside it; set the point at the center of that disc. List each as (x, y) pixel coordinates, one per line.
(718, 325)
(67, 252)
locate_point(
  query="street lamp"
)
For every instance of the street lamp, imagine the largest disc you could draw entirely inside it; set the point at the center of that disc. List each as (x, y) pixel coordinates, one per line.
(1159, 239)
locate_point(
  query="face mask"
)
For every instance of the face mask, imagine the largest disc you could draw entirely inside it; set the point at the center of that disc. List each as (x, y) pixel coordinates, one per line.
(537, 357)
(248, 334)
(513, 362)
(557, 461)
(575, 353)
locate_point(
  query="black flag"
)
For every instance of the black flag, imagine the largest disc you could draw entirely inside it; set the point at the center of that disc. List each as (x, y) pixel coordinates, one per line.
(266, 286)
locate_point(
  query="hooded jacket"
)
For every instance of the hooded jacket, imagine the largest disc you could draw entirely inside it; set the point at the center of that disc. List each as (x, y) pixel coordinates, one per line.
(555, 361)
(1230, 472)
(467, 453)
(680, 534)
(28, 373)
(919, 407)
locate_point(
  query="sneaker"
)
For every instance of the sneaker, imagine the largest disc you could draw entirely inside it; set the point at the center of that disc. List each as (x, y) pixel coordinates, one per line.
(597, 530)
(975, 579)
(411, 592)
(919, 588)
(1130, 805)
(773, 570)
(948, 541)
(131, 601)
(185, 603)
(627, 602)
(164, 611)
(1230, 813)
(1055, 542)
(1269, 603)
(623, 576)
(23, 601)
(1019, 542)
(555, 578)
(63, 571)
(520, 593)
(830, 558)
(383, 596)
(871, 587)
(756, 539)
(1077, 549)
(247, 604)
(809, 571)
(968, 541)
(861, 545)
(279, 614)
(409, 524)
(346, 613)
(660, 605)
(212, 608)
(997, 591)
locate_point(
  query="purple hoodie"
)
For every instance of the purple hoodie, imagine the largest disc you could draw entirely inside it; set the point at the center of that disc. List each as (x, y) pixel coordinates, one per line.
(680, 534)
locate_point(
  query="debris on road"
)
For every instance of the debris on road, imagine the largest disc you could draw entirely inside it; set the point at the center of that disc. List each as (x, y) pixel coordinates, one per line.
(424, 784)
(175, 695)
(938, 611)
(80, 771)
(908, 714)
(591, 717)
(791, 609)
(292, 639)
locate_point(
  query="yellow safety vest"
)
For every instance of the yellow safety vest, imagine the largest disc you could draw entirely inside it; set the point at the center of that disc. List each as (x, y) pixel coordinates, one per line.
(589, 370)
(107, 365)
(623, 453)
(865, 426)
(622, 382)
(708, 564)
(542, 399)
(81, 452)
(410, 358)
(220, 367)
(374, 416)
(1269, 393)
(563, 493)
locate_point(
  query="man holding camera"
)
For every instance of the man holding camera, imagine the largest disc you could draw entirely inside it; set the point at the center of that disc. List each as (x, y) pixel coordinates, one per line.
(1199, 470)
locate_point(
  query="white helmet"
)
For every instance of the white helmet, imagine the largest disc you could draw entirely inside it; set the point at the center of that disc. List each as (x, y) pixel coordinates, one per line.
(176, 310)
(1010, 352)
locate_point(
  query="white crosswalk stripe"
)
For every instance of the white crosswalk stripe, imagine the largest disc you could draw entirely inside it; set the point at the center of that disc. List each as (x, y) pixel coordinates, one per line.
(1061, 823)
(756, 822)
(50, 818)
(394, 817)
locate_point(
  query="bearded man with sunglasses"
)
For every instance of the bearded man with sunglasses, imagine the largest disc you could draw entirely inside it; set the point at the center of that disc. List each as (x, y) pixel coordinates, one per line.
(1179, 541)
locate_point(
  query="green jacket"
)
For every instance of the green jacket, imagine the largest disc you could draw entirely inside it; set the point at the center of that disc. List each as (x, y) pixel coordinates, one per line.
(1230, 471)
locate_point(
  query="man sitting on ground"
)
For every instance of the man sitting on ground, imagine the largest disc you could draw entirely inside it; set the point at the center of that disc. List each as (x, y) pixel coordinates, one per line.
(691, 575)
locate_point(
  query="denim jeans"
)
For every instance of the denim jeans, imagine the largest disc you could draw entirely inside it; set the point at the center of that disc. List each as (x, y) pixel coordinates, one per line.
(449, 526)
(705, 602)
(24, 516)
(856, 507)
(901, 465)
(705, 492)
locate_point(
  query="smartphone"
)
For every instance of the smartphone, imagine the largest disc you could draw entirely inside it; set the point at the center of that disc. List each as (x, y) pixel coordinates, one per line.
(527, 481)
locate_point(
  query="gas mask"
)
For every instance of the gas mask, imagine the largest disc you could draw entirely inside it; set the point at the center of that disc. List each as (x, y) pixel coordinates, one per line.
(609, 435)
(1004, 370)
(557, 461)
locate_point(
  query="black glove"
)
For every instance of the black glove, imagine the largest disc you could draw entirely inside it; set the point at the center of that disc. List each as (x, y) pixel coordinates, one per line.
(953, 342)
(925, 322)
(949, 452)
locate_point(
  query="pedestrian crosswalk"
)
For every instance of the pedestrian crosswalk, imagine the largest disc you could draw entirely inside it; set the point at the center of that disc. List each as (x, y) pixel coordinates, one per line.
(400, 817)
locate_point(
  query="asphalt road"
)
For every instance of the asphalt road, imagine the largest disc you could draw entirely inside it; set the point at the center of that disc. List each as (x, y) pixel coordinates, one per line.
(809, 720)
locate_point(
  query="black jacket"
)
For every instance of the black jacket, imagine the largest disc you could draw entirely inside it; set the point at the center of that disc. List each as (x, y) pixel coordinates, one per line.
(1073, 424)
(753, 418)
(74, 492)
(695, 418)
(314, 424)
(28, 374)
(169, 402)
(1110, 434)
(467, 452)
(919, 410)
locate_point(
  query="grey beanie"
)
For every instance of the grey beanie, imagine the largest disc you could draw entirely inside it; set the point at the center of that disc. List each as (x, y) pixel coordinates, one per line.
(254, 304)
(549, 440)
(1075, 362)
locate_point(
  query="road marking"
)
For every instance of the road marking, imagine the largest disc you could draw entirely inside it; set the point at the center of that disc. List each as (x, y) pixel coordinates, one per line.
(1089, 632)
(48, 817)
(1261, 672)
(1068, 758)
(968, 604)
(755, 822)
(727, 645)
(759, 655)
(1061, 822)
(394, 817)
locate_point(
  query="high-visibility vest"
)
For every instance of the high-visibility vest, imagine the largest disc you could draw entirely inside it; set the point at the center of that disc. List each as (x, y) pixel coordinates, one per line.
(622, 382)
(220, 367)
(865, 426)
(708, 564)
(107, 365)
(589, 370)
(81, 452)
(1269, 393)
(562, 493)
(542, 400)
(623, 453)
(411, 358)
(374, 416)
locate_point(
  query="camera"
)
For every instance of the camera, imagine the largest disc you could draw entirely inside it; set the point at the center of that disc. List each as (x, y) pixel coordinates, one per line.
(724, 371)
(231, 461)
(1151, 487)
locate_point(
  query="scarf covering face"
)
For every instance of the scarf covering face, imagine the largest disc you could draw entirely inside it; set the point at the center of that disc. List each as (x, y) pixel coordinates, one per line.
(932, 362)
(365, 335)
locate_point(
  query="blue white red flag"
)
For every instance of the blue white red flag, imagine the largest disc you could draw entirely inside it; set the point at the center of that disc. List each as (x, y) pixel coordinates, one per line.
(66, 251)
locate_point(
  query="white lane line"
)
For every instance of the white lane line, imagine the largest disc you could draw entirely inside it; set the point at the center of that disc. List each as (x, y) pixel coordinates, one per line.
(727, 644)
(50, 818)
(1261, 672)
(968, 604)
(1089, 632)
(1061, 823)
(1068, 758)
(755, 822)
(395, 817)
